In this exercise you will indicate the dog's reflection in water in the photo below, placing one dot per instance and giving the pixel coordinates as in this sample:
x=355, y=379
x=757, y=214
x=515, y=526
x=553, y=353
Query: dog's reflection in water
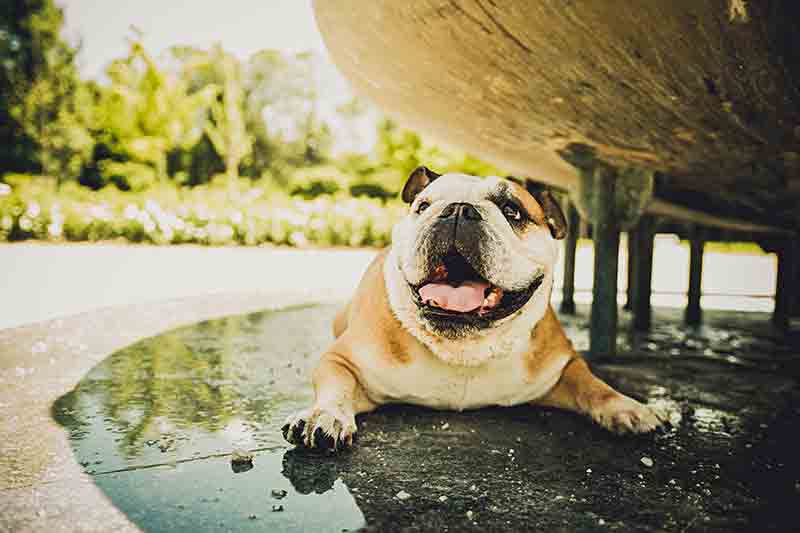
x=310, y=472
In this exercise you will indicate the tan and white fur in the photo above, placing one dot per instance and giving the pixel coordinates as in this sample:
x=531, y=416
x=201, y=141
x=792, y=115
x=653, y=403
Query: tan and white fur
x=387, y=351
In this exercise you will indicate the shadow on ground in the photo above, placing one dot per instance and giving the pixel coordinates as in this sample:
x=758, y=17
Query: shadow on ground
x=155, y=425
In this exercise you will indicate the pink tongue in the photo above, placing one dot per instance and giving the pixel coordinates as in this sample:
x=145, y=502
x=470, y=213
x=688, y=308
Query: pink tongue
x=465, y=298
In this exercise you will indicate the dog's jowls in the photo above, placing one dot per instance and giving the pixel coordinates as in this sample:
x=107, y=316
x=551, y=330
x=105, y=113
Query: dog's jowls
x=456, y=314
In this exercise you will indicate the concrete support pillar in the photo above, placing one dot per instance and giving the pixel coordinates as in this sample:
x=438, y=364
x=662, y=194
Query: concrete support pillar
x=570, y=246
x=694, y=314
x=786, y=284
x=643, y=273
x=603, y=325
x=631, y=267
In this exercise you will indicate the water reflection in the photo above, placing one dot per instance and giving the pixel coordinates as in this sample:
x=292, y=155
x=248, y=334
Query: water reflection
x=157, y=422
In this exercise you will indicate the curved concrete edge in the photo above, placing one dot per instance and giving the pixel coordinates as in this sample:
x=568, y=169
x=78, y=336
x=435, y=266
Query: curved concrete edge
x=42, y=487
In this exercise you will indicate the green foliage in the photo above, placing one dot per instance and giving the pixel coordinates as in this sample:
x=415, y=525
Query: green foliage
x=146, y=113
x=42, y=106
x=155, y=153
x=227, y=127
x=221, y=213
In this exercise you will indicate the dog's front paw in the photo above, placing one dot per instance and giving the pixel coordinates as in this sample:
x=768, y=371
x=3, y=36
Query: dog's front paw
x=320, y=428
x=622, y=414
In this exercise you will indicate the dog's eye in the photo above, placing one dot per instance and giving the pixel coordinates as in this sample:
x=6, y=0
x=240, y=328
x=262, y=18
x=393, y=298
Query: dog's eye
x=423, y=206
x=512, y=212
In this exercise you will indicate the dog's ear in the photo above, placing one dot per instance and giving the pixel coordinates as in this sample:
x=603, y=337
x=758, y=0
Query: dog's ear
x=553, y=214
x=419, y=178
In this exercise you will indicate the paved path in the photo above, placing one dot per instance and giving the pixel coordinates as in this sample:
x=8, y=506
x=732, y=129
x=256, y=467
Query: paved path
x=44, y=281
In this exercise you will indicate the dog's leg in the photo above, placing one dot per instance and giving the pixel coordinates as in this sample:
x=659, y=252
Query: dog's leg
x=580, y=390
x=330, y=423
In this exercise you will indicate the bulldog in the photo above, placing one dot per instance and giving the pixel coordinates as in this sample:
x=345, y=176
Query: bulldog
x=456, y=314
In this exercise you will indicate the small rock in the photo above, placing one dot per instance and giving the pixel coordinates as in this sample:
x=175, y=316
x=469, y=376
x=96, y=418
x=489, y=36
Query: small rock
x=241, y=456
x=278, y=494
x=402, y=495
x=601, y=522
x=253, y=517
x=241, y=461
x=470, y=514
x=277, y=508
x=646, y=461
x=445, y=426
x=442, y=499
x=473, y=487
x=588, y=470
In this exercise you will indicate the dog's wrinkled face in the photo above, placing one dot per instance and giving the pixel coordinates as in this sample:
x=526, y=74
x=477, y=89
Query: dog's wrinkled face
x=474, y=251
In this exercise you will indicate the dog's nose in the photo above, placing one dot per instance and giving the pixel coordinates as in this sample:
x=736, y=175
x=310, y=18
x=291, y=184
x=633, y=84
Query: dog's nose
x=462, y=210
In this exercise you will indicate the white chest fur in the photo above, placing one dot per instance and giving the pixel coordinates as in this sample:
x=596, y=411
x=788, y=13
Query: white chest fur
x=428, y=381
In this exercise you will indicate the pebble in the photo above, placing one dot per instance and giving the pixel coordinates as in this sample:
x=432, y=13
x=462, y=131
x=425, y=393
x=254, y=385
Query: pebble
x=241, y=456
x=470, y=514
x=442, y=499
x=277, y=508
x=646, y=461
x=445, y=426
x=278, y=493
x=253, y=517
x=402, y=495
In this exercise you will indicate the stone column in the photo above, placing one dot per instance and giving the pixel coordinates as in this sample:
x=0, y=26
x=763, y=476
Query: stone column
x=643, y=273
x=612, y=199
x=786, y=283
x=570, y=246
x=603, y=328
x=694, y=314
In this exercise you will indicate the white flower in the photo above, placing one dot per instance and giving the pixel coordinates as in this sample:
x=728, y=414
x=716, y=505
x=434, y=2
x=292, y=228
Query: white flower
x=33, y=210
x=101, y=212
x=131, y=211
x=55, y=229
x=298, y=238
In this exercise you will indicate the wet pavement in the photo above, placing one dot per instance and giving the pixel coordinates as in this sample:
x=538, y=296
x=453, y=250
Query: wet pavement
x=155, y=426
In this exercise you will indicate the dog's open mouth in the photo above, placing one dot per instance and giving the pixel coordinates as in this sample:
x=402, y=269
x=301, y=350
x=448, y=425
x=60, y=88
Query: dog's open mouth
x=456, y=290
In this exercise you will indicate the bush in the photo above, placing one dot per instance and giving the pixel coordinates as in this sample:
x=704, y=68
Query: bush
x=221, y=213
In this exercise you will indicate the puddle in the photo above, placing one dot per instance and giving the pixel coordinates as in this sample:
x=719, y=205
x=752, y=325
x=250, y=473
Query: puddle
x=155, y=425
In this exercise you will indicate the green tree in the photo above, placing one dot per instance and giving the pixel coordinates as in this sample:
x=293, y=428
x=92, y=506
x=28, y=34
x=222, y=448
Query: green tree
x=37, y=79
x=147, y=113
x=227, y=129
x=57, y=113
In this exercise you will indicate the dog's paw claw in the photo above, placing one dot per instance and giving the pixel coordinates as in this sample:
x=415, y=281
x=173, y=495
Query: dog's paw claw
x=321, y=429
x=622, y=414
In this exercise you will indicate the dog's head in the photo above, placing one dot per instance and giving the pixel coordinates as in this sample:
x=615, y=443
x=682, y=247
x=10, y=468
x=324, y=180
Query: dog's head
x=475, y=252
